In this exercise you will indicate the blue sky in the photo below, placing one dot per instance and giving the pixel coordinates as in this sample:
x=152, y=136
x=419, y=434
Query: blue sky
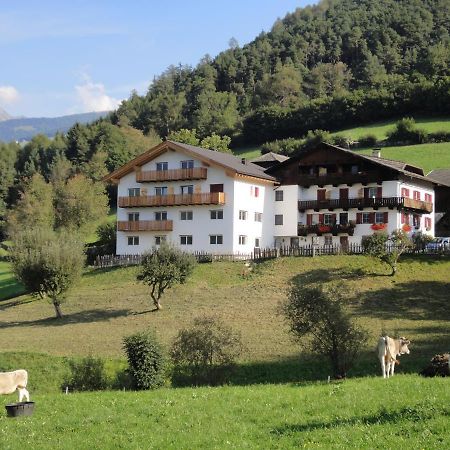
x=62, y=58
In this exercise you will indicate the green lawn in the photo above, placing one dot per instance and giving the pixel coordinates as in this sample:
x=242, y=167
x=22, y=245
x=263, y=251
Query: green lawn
x=9, y=286
x=405, y=412
x=380, y=129
x=249, y=152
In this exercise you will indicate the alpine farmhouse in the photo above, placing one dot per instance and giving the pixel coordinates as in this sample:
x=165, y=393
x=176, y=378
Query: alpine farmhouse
x=207, y=201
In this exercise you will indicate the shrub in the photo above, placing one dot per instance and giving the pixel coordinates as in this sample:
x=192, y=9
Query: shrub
x=106, y=234
x=205, y=353
x=342, y=141
x=283, y=147
x=420, y=240
x=314, y=138
x=406, y=132
x=87, y=374
x=146, y=360
x=369, y=140
x=319, y=313
x=439, y=136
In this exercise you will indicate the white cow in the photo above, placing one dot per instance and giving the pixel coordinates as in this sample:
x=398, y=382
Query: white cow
x=388, y=350
x=10, y=381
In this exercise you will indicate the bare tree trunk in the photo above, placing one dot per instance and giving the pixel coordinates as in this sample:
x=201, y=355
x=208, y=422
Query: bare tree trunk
x=58, y=312
x=157, y=304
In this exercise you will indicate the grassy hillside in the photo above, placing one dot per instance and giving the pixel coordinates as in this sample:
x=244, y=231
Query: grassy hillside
x=401, y=413
x=9, y=287
x=108, y=305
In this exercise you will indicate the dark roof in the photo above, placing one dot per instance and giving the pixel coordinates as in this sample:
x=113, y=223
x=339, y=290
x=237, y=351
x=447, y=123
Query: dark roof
x=270, y=157
x=441, y=176
x=398, y=166
x=225, y=160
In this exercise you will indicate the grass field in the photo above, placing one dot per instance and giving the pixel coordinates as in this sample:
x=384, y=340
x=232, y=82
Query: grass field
x=380, y=129
x=9, y=287
x=405, y=412
x=107, y=305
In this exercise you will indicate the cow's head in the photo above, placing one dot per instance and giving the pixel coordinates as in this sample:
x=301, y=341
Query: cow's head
x=404, y=346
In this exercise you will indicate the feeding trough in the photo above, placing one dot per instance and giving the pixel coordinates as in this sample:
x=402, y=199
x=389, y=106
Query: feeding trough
x=19, y=409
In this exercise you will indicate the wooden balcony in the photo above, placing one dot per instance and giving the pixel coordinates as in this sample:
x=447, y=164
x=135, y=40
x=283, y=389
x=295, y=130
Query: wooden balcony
x=206, y=198
x=196, y=173
x=319, y=229
x=145, y=225
x=361, y=203
x=335, y=179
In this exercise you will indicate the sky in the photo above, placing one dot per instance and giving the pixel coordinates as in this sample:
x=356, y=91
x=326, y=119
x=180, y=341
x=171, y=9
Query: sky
x=60, y=58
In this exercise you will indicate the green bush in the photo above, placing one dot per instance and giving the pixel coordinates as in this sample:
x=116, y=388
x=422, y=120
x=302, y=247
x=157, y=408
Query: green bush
x=369, y=140
x=283, y=147
x=342, y=141
x=87, y=374
x=406, y=132
x=205, y=353
x=314, y=138
x=439, y=136
x=146, y=360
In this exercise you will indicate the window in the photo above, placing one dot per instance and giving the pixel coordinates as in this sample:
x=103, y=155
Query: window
x=328, y=219
x=278, y=196
x=161, y=215
x=428, y=198
x=366, y=217
x=187, y=189
x=328, y=240
x=186, y=215
x=343, y=218
x=242, y=215
x=256, y=191
x=354, y=170
x=134, y=192
x=162, y=166
x=416, y=220
x=278, y=219
x=189, y=164
x=379, y=217
x=405, y=192
x=215, y=239
x=257, y=242
x=258, y=217
x=161, y=190
x=133, y=217
x=428, y=223
x=405, y=218
x=215, y=188
x=216, y=214
x=242, y=239
x=160, y=239
x=416, y=195
x=186, y=239
x=133, y=240
x=372, y=192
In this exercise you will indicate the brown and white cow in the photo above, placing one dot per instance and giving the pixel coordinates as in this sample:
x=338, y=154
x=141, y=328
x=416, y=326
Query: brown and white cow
x=388, y=350
x=10, y=381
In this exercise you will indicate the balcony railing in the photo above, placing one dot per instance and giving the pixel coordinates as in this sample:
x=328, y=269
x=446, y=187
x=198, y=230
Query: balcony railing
x=145, y=225
x=389, y=202
x=321, y=228
x=206, y=198
x=306, y=180
x=196, y=173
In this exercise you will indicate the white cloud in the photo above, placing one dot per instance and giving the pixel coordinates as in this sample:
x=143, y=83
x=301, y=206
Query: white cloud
x=92, y=96
x=8, y=94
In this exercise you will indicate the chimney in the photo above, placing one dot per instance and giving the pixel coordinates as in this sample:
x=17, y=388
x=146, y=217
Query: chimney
x=376, y=152
x=243, y=161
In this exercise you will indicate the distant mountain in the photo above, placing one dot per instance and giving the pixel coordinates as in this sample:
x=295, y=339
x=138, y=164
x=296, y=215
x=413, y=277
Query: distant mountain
x=4, y=115
x=24, y=129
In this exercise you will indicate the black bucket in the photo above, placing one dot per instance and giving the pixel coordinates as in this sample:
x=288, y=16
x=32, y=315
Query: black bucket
x=19, y=409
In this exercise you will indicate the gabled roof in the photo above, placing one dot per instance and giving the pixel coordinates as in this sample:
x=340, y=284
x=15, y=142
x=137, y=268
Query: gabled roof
x=270, y=157
x=226, y=161
x=442, y=176
x=399, y=166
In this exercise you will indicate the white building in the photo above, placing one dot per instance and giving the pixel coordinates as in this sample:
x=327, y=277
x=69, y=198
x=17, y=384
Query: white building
x=198, y=199
x=202, y=200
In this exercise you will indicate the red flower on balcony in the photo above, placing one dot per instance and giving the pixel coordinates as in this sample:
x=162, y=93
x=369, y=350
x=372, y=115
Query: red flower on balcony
x=324, y=228
x=406, y=227
x=378, y=226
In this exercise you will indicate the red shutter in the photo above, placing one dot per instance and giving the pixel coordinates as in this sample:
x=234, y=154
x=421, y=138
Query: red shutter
x=372, y=217
x=333, y=218
x=379, y=192
x=308, y=219
x=428, y=198
x=386, y=217
x=358, y=217
x=403, y=217
x=321, y=194
x=256, y=191
x=366, y=192
x=321, y=218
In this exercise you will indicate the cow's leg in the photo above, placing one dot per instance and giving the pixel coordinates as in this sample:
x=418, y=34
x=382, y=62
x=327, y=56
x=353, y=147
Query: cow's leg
x=388, y=368
x=392, y=368
x=383, y=367
x=23, y=393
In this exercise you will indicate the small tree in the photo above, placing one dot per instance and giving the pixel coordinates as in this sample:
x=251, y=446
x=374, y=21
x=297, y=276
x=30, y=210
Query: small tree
x=87, y=374
x=320, y=313
x=164, y=267
x=146, y=360
x=376, y=246
x=47, y=263
x=206, y=352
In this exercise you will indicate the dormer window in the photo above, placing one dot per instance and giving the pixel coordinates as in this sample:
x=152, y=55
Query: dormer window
x=189, y=164
x=162, y=166
x=354, y=169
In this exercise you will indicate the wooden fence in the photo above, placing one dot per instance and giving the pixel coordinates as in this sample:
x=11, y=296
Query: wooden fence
x=263, y=254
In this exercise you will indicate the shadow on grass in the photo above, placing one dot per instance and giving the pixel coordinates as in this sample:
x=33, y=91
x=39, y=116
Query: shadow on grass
x=326, y=275
x=5, y=306
x=416, y=413
x=93, y=315
x=93, y=272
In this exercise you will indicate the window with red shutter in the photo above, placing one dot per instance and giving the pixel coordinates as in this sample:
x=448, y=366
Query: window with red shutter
x=256, y=191
x=416, y=220
x=427, y=222
x=428, y=198
x=405, y=192
x=372, y=218
x=416, y=195
x=308, y=219
x=386, y=217
x=358, y=217
x=320, y=218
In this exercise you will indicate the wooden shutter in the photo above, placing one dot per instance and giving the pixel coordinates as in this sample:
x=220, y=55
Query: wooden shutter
x=403, y=217
x=321, y=218
x=343, y=193
x=333, y=218
x=379, y=192
x=386, y=217
x=372, y=217
x=359, y=217
x=308, y=219
x=321, y=193
x=366, y=192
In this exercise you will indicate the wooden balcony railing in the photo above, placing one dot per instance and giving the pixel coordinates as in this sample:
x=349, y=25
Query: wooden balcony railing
x=306, y=180
x=360, y=203
x=196, y=173
x=145, y=225
x=319, y=229
x=205, y=198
